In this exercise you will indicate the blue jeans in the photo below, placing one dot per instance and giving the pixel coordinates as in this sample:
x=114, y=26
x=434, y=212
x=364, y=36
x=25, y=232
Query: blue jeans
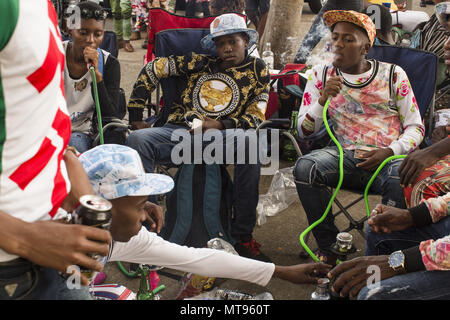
x=81, y=141
x=318, y=30
x=319, y=169
x=415, y=285
x=155, y=145
x=381, y=244
x=423, y=285
x=22, y=280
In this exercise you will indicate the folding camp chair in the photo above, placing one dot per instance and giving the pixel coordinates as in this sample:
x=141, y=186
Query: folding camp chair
x=421, y=68
x=160, y=19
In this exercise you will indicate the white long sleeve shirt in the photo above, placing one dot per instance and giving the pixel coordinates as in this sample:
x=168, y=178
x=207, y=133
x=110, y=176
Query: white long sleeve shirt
x=148, y=248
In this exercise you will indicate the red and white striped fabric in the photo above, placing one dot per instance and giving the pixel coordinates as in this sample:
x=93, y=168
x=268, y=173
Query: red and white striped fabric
x=111, y=292
x=36, y=126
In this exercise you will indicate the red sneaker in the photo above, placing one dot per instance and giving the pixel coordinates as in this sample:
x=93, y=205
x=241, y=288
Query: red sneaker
x=251, y=250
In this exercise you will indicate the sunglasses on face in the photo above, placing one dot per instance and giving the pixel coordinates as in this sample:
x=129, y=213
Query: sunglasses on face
x=88, y=14
x=94, y=14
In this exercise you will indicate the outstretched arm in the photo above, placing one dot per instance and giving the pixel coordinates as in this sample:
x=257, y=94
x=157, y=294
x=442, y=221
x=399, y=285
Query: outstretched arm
x=148, y=248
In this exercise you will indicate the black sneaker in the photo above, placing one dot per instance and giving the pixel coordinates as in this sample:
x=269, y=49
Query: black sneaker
x=251, y=250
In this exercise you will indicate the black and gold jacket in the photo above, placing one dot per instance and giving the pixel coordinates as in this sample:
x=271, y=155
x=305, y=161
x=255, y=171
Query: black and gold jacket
x=235, y=96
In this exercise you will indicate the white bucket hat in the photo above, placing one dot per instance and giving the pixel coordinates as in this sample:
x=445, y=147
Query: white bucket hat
x=225, y=24
x=116, y=171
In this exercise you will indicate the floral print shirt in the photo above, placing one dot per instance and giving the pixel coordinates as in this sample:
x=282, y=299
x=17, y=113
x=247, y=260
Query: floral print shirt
x=373, y=109
x=436, y=253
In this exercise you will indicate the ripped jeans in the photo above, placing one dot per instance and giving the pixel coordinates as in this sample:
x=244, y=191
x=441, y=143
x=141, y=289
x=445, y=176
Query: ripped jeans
x=319, y=169
x=423, y=285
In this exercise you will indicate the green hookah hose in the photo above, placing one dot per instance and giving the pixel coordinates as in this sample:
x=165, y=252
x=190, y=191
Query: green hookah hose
x=381, y=166
x=341, y=178
x=97, y=104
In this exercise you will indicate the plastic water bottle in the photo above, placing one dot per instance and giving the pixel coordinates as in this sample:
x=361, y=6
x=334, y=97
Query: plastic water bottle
x=267, y=56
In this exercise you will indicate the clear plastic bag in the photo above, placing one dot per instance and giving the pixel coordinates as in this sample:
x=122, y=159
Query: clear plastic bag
x=282, y=193
x=194, y=284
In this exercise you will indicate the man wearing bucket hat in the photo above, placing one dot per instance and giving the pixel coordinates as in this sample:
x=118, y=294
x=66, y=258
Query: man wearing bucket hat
x=228, y=93
x=116, y=173
x=374, y=115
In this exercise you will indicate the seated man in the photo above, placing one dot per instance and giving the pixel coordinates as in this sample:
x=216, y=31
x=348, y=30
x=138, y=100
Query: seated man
x=116, y=173
x=373, y=118
x=228, y=93
x=82, y=51
x=417, y=240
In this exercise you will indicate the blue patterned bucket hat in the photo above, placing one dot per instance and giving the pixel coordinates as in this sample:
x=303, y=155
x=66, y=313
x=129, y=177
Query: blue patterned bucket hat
x=225, y=24
x=116, y=171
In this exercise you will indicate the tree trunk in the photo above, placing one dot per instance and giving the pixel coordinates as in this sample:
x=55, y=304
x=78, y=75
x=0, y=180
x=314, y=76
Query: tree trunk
x=283, y=30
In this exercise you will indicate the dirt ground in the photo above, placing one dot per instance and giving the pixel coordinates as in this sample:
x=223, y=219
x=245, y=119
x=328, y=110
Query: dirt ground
x=279, y=236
